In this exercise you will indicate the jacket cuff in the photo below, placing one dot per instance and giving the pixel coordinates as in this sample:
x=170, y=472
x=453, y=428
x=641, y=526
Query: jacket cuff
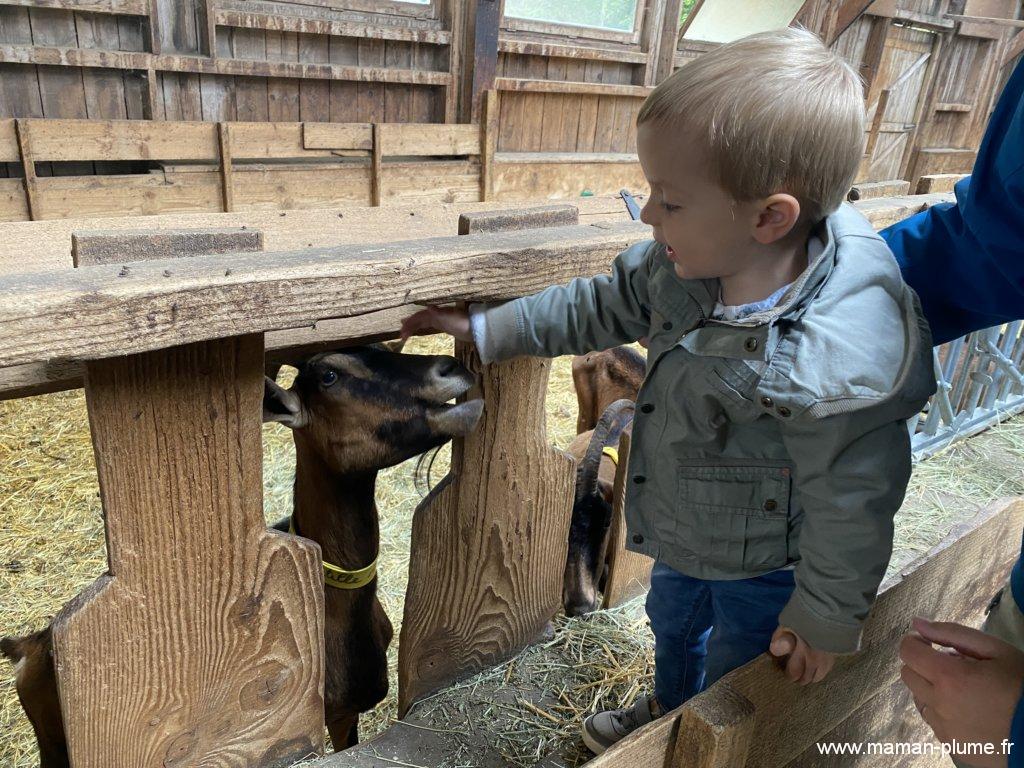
x=818, y=632
x=497, y=331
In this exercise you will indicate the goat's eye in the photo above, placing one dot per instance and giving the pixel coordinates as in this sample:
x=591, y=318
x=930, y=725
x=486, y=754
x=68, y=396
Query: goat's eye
x=328, y=377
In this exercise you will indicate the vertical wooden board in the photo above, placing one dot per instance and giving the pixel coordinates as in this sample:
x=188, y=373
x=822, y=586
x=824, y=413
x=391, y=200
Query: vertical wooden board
x=217, y=93
x=155, y=89
x=344, y=95
x=370, y=96
x=204, y=643
x=489, y=544
x=283, y=93
x=314, y=95
x=575, y=71
x=533, y=106
x=510, y=135
x=629, y=573
x=421, y=97
x=18, y=82
x=130, y=34
x=553, y=109
x=60, y=88
x=182, y=98
x=176, y=26
x=398, y=98
x=104, y=88
x=604, y=139
x=585, y=134
x=251, y=103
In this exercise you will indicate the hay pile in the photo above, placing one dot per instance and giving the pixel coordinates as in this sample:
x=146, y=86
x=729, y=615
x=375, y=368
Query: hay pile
x=51, y=546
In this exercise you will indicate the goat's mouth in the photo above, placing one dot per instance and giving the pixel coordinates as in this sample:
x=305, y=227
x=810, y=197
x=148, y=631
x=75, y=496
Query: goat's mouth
x=457, y=420
x=452, y=386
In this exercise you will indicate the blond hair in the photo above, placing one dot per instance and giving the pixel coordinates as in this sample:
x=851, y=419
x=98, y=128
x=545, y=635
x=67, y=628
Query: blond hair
x=779, y=113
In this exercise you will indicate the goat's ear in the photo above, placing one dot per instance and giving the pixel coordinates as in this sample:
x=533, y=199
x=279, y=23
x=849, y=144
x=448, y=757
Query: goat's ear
x=282, y=405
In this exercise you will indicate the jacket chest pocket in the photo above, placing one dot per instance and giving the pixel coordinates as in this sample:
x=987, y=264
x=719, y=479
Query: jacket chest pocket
x=736, y=518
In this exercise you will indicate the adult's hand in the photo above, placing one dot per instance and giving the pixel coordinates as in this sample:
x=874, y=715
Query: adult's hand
x=968, y=693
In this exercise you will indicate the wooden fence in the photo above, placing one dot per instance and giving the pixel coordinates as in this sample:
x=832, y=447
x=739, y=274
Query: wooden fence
x=567, y=93
x=195, y=577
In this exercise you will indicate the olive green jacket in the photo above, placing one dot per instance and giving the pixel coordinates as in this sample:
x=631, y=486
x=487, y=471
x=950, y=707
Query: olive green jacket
x=776, y=440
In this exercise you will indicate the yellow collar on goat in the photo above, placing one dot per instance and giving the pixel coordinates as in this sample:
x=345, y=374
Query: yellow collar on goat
x=339, y=578
x=612, y=453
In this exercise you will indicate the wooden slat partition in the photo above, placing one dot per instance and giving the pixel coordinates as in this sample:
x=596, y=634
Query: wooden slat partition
x=629, y=573
x=64, y=140
x=953, y=582
x=399, y=139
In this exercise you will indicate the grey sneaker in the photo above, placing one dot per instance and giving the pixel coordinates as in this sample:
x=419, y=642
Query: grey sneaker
x=603, y=729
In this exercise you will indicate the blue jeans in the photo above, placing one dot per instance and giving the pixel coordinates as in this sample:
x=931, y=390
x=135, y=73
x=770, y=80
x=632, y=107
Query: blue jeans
x=704, y=629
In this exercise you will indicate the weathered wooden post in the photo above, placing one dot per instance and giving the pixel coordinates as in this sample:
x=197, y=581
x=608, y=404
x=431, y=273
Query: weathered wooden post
x=203, y=645
x=489, y=544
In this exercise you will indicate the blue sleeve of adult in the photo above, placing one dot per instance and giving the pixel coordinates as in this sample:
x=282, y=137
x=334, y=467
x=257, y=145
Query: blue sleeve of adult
x=966, y=261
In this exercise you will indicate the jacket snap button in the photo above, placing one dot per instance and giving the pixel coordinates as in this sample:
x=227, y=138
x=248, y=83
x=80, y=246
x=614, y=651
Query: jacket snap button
x=767, y=402
x=750, y=344
x=666, y=326
x=770, y=505
x=646, y=408
x=638, y=539
x=638, y=479
x=784, y=411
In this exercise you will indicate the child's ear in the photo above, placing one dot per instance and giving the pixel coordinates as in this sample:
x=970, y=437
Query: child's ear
x=776, y=217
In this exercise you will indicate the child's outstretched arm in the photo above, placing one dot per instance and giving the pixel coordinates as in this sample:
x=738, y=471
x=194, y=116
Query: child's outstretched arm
x=585, y=315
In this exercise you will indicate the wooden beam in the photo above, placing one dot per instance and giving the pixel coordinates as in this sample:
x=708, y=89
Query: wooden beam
x=357, y=136
x=68, y=140
x=565, y=51
x=715, y=731
x=195, y=577
x=28, y=166
x=322, y=26
x=849, y=11
x=509, y=219
x=485, y=52
x=488, y=142
x=453, y=14
x=526, y=85
x=668, y=40
x=206, y=12
x=1017, y=23
x=117, y=246
x=95, y=313
x=426, y=139
x=1014, y=48
x=121, y=7
x=226, y=180
x=85, y=57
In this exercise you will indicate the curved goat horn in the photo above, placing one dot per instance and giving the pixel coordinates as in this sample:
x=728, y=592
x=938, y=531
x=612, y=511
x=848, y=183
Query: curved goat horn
x=607, y=432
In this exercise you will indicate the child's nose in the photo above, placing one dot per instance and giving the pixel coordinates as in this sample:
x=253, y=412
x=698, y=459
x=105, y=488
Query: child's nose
x=647, y=213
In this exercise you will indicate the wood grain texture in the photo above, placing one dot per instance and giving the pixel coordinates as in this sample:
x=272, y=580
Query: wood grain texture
x=92, y=247
x=204, y=643
x=99, y=312
x=489, y=543
x=714, y=732
x=954, y=582
x=518, y=218
x=629, y=573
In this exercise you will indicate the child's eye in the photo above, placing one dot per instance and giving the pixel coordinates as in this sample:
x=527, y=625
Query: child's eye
x=670, y=208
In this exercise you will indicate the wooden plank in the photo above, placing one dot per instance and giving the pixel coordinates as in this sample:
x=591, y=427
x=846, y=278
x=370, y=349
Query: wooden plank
x=495, y=538
x=504, y=220
x=277, y=140
x=999, y=22
x=953, y=582
x=938, y=182
x=428, y=139
x=314, y=95
x=81, y=57
x=177, y=441
x=60, y=198
x=454, y=14
x=376, y=166
x=554, y=179
x=94, y=313
x=485, y=52
x=328, y=26
x=849, y=11
x=1014, y=48
x=104, y=89
x=667, y=42
x=122, y=140
x=116, y=246
x=566, y=51
x=121, y=7
x=715, y=732
x=488, y=142
x=933, y=160
x=629, y=573
x=527, y=85
x=889, y=188
x=13, y=202
x=226, y=179
x=451, y=181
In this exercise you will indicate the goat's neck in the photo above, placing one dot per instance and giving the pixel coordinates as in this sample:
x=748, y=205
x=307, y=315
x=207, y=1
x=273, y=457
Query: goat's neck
x=335, y=510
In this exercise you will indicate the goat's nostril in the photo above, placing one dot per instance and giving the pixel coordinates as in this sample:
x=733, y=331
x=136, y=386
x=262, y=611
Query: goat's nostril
x=447, y=367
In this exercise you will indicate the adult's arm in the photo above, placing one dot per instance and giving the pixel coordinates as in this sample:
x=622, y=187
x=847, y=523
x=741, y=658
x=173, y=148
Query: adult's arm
x=966, y=260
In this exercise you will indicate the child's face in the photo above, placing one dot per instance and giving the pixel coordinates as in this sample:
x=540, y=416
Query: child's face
x=708, y=234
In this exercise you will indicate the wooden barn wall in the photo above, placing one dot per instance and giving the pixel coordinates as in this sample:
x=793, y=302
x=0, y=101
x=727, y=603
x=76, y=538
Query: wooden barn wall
x=929, y=81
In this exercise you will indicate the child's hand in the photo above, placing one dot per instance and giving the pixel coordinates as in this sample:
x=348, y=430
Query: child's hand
x=450, y=320
x=803, y=664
